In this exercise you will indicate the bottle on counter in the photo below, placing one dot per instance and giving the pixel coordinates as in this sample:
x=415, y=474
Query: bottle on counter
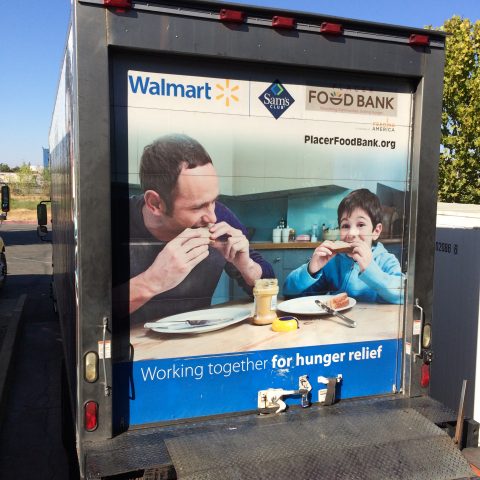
x=265, y=294
x=277, y=235
x=314, y=236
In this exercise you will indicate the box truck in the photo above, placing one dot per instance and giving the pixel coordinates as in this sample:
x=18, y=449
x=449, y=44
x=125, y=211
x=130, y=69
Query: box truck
x=456, y=306
x=200, y=341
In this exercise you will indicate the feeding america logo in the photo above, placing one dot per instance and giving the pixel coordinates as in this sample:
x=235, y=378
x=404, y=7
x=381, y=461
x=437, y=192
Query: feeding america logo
x=276, y=99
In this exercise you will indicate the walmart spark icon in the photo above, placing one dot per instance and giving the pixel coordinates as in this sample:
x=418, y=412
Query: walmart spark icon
x=227, y=92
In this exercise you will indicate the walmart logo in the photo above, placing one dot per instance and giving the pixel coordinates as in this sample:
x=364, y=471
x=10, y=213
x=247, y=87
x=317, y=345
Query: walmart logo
x=164, y=88
x=276, y=99
x=225, y=92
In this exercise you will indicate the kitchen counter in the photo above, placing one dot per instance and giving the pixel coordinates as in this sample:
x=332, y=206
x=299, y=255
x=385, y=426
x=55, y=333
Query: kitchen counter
x=305, y=245
x=374, y=322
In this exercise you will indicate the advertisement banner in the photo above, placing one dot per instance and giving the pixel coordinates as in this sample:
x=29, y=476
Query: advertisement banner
x=246, y=205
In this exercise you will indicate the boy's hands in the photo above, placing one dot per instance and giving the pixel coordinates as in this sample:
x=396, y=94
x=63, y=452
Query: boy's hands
x=321, y=256
x=362, y=254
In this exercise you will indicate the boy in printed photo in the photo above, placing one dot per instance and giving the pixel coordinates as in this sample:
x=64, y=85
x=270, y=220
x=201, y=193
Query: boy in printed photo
x=367, y=272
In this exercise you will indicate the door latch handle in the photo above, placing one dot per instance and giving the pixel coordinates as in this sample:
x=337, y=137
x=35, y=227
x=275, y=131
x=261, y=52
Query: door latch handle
x=419, y=328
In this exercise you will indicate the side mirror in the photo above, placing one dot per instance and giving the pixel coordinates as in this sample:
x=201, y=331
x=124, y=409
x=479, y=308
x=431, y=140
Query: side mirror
x=5, y=198
x=41, y=214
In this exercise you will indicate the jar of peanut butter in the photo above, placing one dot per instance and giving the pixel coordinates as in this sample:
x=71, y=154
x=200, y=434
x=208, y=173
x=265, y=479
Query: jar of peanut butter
x=265, y=294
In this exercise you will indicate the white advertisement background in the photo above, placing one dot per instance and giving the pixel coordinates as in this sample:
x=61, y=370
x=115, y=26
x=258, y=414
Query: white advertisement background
x=261, y=154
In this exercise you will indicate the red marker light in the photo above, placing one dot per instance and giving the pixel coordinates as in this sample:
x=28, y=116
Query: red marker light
x=421, y=40
x=283, y=22
x=121, y=6
x=118, y=3
x=91, y=416
x=331, y=28
x=425, y=375
x=233, y=16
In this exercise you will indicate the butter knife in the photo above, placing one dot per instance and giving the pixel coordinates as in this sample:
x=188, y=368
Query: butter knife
x=331, y=311
x=178, y=324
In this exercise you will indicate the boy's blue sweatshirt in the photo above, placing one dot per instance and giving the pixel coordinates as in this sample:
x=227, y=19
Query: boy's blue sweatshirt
x=382, y=281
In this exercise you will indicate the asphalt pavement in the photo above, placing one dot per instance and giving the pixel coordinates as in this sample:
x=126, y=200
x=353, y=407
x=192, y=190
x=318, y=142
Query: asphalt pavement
x=30, y=409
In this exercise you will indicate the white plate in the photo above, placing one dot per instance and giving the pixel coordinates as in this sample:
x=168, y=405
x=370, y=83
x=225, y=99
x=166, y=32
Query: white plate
x=221, y=318
x=307, y=305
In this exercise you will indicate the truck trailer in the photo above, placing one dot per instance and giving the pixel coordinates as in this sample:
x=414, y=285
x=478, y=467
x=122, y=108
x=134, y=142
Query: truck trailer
x=457, y=277
x=201, y=153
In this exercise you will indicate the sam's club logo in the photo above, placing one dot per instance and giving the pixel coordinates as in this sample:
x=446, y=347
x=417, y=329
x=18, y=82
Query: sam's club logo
x=276, y=99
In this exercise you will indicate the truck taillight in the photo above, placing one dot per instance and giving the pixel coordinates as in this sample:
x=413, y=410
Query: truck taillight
x=233, y=16
x=91, y=416
x=120, y=5
x=416, y=39
x=331, y=28
x=425, y=375
x=286, y=23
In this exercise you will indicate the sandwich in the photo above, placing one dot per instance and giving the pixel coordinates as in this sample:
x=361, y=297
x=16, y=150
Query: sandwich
x=206, y=232
x=339, y=301
x=341, y=247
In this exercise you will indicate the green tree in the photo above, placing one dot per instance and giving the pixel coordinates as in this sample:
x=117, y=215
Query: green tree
x=459, y=175
x=46, y=179
x=26, y=179
x=5, y=168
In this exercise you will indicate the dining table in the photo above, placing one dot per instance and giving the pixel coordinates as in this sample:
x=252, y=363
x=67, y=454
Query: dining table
x=373, y=322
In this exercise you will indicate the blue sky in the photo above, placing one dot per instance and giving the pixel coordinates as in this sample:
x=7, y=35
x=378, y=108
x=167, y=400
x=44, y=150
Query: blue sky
x=32, y=38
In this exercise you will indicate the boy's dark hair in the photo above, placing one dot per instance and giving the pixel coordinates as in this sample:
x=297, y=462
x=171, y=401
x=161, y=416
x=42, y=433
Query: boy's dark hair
x=163, y=160
x=364, y=199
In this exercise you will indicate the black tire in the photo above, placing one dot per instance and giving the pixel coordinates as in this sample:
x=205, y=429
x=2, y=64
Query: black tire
x=3, y=269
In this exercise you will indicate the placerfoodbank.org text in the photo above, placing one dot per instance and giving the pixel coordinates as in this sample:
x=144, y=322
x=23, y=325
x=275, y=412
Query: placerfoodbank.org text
x=350, y=142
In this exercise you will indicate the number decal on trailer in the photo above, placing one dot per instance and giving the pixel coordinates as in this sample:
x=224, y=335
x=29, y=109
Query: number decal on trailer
x=445, y=247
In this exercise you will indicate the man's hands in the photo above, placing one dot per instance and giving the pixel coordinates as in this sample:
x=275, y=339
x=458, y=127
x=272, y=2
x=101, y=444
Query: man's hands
x=182, y=254
x=361, y=254
x=177, y=259
x=235, y=247
x=236, y=250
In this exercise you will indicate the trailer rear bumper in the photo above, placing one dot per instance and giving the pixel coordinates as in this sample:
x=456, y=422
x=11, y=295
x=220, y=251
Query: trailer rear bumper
x=384, y=437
